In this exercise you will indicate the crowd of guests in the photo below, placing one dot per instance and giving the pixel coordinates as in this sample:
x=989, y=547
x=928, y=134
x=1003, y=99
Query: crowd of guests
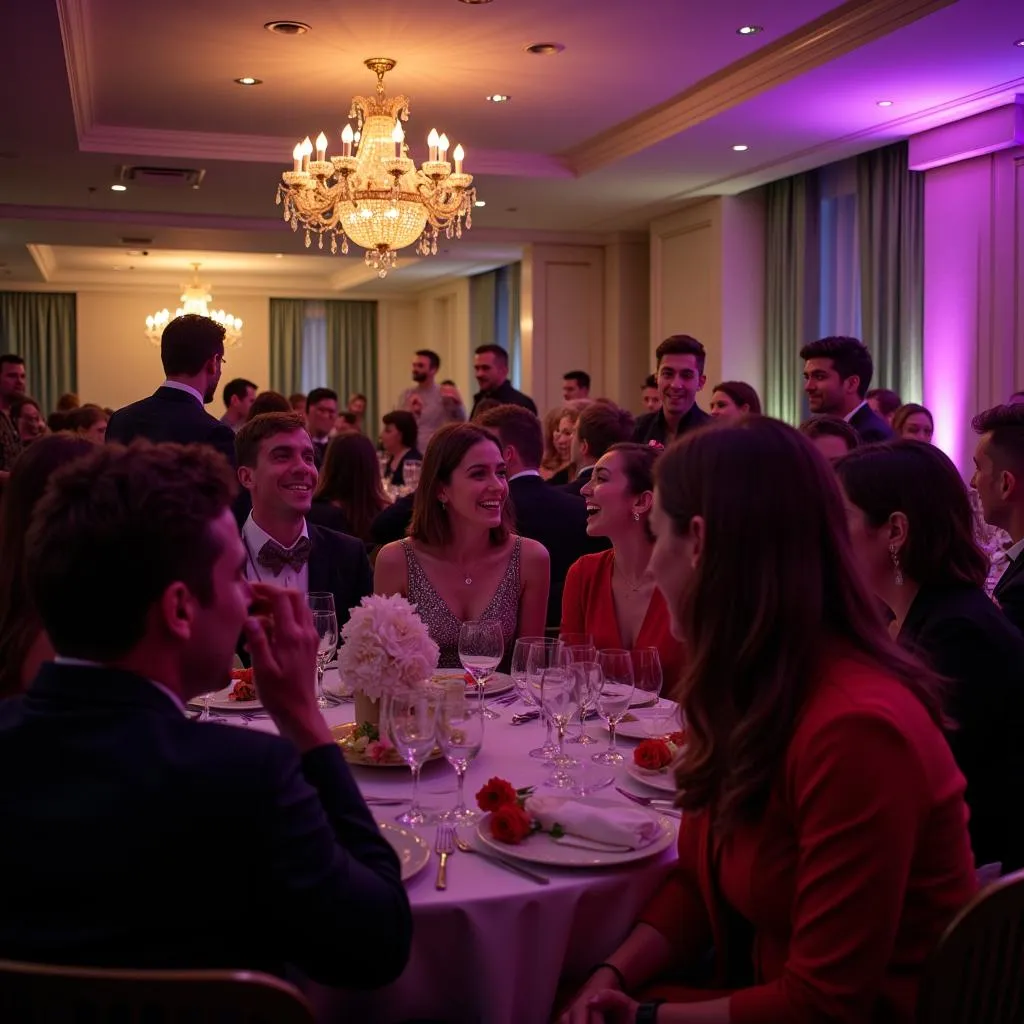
x=853, y=697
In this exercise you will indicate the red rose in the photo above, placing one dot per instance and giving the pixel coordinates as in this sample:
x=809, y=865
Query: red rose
x=678, y=738
x=510, y=824
x=497, y=793
x=652, y=755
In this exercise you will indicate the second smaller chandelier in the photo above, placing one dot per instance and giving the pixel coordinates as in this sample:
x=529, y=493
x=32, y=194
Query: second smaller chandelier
x=196, y=298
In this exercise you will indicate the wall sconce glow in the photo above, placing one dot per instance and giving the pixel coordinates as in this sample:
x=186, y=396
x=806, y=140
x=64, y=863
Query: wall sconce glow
x=740, y=149
x=749, y=30
x=118, y=188
x=885, y=103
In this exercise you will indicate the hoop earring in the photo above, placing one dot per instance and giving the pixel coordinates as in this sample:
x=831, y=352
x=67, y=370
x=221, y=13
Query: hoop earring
x=897, y=569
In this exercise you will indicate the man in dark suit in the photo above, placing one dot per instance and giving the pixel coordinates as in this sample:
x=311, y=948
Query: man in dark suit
x=192, y=353
x=999, y=481
x=276, y=465
x=599, y=426
x=546, y=514
x=119, y=813
x=837, y=375
x=490, y=367
x=680, y=377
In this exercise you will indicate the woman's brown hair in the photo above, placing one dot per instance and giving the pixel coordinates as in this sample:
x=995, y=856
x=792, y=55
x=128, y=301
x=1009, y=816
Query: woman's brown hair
x=431, y=523
x=83, y=418
x=350, y=478
x=742, y=394
x=904, y=412
x=775, y=595
x=919, y=481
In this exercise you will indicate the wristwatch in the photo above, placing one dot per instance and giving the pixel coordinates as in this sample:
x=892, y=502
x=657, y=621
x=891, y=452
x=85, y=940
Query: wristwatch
x=647, y=1013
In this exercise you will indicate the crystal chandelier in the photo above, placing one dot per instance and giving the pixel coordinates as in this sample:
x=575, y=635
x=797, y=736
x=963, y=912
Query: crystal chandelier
x=375, y=196
x=195, y=299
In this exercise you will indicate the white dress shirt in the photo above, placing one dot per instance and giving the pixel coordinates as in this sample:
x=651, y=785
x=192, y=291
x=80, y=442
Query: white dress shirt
x=1014, y=552
x=254, y=537
x=523, y=472
x=849, y=416
x=176, y=385
x=85, y=663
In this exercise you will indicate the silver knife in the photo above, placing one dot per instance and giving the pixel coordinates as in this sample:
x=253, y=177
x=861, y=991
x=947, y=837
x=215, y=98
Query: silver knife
x=512, y=866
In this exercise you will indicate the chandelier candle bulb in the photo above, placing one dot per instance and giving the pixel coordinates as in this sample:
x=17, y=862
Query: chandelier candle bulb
x=432, y=141
x=398, y=137
x=442, y=148
x=307, y=151
x=321, y=147
x=459, y=154
x=346, y=140
x=297, y=157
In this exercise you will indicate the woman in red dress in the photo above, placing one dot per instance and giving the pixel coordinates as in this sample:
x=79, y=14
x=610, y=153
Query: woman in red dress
x=823, y=846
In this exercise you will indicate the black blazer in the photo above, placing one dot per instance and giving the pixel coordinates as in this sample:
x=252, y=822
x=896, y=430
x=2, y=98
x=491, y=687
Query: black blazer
x=171, y=415
x=574, y=486
x=393, y=523
x=338, y=563
x=121, y=817
x=960, y=632
x=325, y=513
x=1009, y=592
x=653, y=426
x=869, y=425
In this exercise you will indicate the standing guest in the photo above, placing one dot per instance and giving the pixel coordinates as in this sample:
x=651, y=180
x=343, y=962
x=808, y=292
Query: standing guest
x=831, y=435
x=57, y=421
x=357, y=406
x=192, y=354
x=884, y=402
x=297, y=401
x=837, y=375
x=24, y=645
x=680, y=377
x=913, y=422
x=156, y=800
x=611, y=595
x=68, y=402
x=12, y=384
x=912, y=533
x=734, y=398
x=461, y=560
x=435, y=409
x=276, y=467
x=599, y=426
x=345, y=424
x=28, y=419
x=349, y=495
x=490, y=367
x=650, y=395
x=88, y=421
x=479, y=408
x=823, y=848
x=398, y=439
x=274, y=401
x=239, y=394
x=321, y=415
x=575, y=385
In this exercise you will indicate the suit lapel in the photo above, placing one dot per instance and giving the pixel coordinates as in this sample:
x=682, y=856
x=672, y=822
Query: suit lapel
x=1012, y=571
x=319, y=565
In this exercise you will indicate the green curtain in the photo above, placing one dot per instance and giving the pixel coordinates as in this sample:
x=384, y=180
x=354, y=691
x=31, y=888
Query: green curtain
x=494, y=302
x=792, y=275
x=41, y=328
x=352, y=353
x=287, y=319
x=890, y=227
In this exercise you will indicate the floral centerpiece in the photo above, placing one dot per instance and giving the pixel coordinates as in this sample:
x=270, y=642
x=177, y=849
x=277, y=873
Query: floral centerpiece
x=385, y=648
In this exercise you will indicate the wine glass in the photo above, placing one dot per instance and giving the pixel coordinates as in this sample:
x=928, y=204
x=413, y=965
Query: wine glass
x=481, y=646
x=614, y=697
x=411, y=717
x=520, y=653
x=460, y=734
x=580, y=647
x=325, y=621
x=382, y=462
x=540, y=655
x=557, y=689
x=411, y=474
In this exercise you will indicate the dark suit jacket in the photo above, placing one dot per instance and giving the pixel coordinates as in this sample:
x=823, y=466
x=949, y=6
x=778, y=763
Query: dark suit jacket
x=1009, y=592
x=870, y=426
x=134, y=837
x=577, y=484
x=338, y=563
x=960, y=632
x=507, y=395
x=653, y=426
x=393, y=523
x=171, y=415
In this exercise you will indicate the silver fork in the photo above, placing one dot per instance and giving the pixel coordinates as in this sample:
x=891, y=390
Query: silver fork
x=657, y=803
x=444, y=844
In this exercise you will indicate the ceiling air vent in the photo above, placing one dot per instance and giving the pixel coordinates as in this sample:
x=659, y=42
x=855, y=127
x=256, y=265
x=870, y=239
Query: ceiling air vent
x=136, y=243
x=161, y=177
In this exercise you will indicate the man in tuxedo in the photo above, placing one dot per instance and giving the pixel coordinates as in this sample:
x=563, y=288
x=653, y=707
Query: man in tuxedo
x=276, y=466
x=556, y=519
x=192, y=353
x=837, y=375
x=490, y=367
x=680, y=377
x=600, y=425
x=999, y=481
x=118, y=810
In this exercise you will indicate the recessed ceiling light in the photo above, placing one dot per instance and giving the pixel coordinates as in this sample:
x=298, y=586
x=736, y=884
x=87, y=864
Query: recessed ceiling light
x=545, y=49
x=740, y=148
x=749, y=30
x=1018, y=42
x=885, y=103
x=248, y=81
x=497, y=97
x=287, y=28
x=118, y=188
x=278, y=255
x=480, y=202
x=117, y=268
x=134, y=252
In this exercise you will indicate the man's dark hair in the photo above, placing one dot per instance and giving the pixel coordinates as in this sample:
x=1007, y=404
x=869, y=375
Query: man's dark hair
x=888, y=401
x=581, y=377
x=432, y=357
x=602, y=424
x=681, y=345
x=118, y=527
x=448, y=383
x=188, y=343
x=650, y=381
x=236, y=388
x=493, y=350
x=296, y=397
x=10, y=357
x=850, y=358
x=320, y=395
x=519, y=428
x=257, y=429
x=405, y=423
x=1005, y=425
x=270, y=401
x=830, y=426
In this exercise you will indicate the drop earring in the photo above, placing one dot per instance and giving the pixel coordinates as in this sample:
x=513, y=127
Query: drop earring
x=636, y=517
x=896, y=568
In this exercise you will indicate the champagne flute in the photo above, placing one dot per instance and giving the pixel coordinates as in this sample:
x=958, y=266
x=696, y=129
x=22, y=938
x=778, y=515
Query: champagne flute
x=411, y=717
x=325, y=621
x=481, y=646
x=460, y=734
x=545, y=654
x=614, y=697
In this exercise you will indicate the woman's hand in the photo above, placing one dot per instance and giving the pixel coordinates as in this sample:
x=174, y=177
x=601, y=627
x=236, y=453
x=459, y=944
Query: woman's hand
x=605, y=1006
x=582, y=1010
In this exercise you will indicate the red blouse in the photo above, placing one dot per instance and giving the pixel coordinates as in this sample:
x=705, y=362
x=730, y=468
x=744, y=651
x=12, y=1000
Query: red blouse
x=861, y=860
x=589, y=607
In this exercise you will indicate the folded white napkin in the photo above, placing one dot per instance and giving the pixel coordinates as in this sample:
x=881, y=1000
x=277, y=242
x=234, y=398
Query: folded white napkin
x=620, y=826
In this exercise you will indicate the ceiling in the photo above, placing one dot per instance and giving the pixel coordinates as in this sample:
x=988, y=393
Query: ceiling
x=637, y=115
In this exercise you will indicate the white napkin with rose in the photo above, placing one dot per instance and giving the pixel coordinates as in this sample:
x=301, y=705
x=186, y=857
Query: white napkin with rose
x=619, y=826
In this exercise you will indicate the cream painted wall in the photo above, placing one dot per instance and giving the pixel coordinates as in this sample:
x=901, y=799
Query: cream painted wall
x=444, y=327
x=627, y=321
x=398, y=329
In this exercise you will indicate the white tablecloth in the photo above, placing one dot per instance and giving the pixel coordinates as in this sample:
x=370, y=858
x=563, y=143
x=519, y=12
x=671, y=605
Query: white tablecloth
x=492, y=947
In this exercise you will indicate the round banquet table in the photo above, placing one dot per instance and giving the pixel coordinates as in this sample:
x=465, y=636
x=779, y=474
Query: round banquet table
x=491, y=948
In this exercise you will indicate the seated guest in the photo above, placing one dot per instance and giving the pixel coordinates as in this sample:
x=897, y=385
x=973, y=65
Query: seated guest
x=321, y=415
x=546, y=514
x=733, y=398
x=274, y=401
x=275, y=465
x=23, y=644
x=192, y=353
x=649, y=394
x=831, y=435
x=27, y=419
x=154, y=800
x=297, y=401
x=345, y=424
x=349, y=495
x=357, y=406
x=911, y=527
x=562, y=423
x=823, y=847
x=461, y=560
x=398, y=439
x=884, y=402
x=913, y=422
x=57, y=421
x=68, y=402
x=599, y=426
x=611, y=595
x=680, y=377
x=89, y=421
x=392, y=523
x=239, y=395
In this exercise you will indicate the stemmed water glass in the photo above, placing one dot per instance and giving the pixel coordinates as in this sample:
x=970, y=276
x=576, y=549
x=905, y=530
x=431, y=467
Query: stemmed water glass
x=557, y=689
x=460, y=734
x=614, y=697
x=481, y=646
x=540, y=655
x=411, y=470
x=580, y=647
x=325, y=621
x=411, y=717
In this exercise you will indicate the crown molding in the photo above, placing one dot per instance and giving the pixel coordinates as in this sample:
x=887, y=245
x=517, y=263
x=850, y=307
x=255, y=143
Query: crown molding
x=45, y=260
x=74, y=34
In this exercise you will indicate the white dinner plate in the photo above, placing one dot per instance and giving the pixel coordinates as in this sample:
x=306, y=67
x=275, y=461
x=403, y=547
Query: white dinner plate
x=663, y=779
x=495, y=684
x=220, y=701
x=412, y=851
x=540, y=848
x=649, y=722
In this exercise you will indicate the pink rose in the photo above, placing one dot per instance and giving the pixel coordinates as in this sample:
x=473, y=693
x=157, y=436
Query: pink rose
x=378, y=750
